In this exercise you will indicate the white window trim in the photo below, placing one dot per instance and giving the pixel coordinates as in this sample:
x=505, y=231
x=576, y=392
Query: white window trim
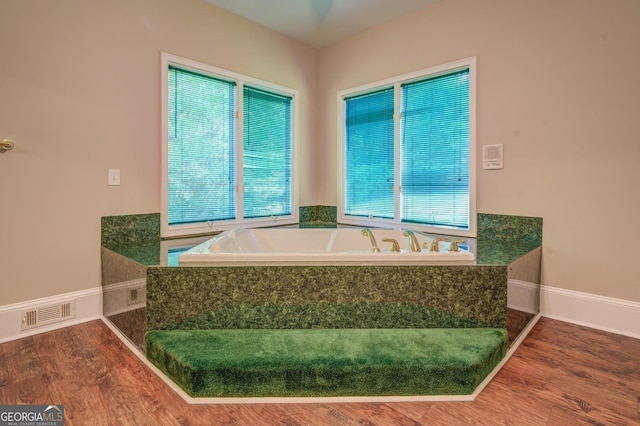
x=167, y=231
x=469, y=63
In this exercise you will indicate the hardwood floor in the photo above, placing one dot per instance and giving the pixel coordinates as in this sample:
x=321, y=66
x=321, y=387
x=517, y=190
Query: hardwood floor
x=562, y=374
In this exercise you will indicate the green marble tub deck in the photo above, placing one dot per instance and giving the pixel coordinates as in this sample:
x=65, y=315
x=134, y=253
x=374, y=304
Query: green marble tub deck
x=318, y=215
x=501, y=239
x=326, y=362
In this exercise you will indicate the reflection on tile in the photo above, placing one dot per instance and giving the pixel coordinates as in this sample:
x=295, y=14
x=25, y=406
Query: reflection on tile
x=133, y=324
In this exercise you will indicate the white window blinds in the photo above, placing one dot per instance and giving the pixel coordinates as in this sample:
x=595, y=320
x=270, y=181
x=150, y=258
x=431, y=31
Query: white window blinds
x=201, y=155
x=407, y=151
x=369, y=158
x=435, y=150
x=266, y=154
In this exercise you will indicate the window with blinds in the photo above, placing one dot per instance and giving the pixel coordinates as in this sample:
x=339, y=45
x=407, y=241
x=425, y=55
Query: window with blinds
x=408, y=152
x=435, y=151
x=201, y=148
x=369, y=155
x=227, y=150
x=266, y=153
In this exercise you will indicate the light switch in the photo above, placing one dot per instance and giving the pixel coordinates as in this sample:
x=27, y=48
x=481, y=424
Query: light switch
x=114, y=177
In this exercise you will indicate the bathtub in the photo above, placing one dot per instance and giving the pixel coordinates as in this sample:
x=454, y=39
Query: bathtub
x=309, y=246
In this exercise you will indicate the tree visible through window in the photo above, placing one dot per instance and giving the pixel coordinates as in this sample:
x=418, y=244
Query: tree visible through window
x=266, y=153
x=214, y=177
x=201, y=148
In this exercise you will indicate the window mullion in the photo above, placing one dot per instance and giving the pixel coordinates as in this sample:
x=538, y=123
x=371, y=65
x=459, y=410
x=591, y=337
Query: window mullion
x=239, y=116
x=397, y=169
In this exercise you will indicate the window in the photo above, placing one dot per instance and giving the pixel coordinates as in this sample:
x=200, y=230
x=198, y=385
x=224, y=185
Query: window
x=228, y=150
x=407, y=151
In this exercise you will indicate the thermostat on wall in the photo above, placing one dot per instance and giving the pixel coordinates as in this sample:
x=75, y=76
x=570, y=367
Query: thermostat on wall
x=492, y=157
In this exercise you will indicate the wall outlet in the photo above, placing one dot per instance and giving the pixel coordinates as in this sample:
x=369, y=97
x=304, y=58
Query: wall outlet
x=136, y=295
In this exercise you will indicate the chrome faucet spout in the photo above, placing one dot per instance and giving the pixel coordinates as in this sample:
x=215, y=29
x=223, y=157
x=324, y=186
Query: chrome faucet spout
x=413, y=241
x=367, y=233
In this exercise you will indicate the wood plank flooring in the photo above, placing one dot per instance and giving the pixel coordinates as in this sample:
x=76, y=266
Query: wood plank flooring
x=562, y=374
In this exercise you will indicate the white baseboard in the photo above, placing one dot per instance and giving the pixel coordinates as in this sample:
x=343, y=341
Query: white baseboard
x=600, y=312
x=118, y=298
x=88, y=306
x=523, y=296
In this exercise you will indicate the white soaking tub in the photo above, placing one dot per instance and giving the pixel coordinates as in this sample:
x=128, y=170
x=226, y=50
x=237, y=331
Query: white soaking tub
x=309, y=246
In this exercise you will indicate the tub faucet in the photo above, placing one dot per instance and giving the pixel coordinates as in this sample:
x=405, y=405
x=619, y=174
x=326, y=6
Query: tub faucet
x=454, y=245
x=413, y=241
x=395, y=246
x=367, y=232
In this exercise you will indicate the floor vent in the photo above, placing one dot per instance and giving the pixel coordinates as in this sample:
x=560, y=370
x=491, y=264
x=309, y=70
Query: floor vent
x=45, y=315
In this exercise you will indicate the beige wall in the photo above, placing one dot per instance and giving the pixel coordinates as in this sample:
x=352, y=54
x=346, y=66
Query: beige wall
x=79, y=93
x=558, y=86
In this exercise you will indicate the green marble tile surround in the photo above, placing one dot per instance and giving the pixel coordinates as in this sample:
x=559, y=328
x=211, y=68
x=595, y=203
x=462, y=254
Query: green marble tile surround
x=498, y=227
x=501, y=238
x=315, y=216
x=117, y=231
x=475, y=292
x=504, y=239
x=135, y=236
x=277, y=316
x=326, y=214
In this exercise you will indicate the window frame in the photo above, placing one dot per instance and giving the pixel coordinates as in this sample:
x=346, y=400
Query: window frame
x=396, y=82
x=240, y=80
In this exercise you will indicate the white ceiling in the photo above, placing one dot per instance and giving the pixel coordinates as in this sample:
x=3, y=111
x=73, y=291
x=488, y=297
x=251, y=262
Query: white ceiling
x=320, y=23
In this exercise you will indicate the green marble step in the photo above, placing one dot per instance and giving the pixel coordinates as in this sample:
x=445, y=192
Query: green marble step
x=326, y=362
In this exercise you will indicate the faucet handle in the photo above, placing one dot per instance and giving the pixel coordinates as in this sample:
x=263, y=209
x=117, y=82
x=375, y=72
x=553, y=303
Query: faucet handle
x=434, y=246
x=454, y=245
x=395, y=247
